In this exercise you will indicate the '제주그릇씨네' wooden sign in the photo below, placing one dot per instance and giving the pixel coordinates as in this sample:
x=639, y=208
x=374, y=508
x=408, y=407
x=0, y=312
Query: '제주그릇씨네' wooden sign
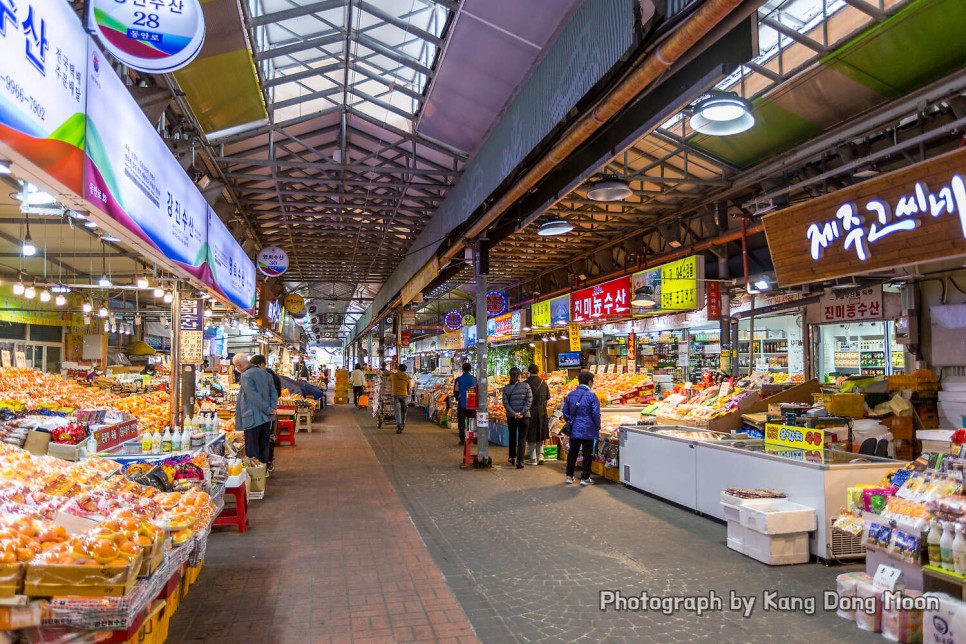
x=906, y=217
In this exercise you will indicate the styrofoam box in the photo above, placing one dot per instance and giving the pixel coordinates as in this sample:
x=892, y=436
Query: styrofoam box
x=774, y=550
x=739, y=501
x=778, y=516
x=730, y=512
x=948, y=624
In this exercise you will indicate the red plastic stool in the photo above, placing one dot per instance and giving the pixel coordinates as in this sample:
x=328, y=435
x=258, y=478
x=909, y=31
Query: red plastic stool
x=237, y=516
x=286, y=438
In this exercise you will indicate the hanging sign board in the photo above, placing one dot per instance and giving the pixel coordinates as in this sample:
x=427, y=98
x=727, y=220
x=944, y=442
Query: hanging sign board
x=856, y=305
x=713, y=290
x=602, y=302
x=538, y=355
x=272, y=261
x=131, y=177
x=229, y=269
x=154, y=36
x=406, y=338
x=574, y=333
x=43, y=91
x=294, y=303
x=905, y=217
x=631, y=348
x=540, y=314
x=676, y=286
x=451, y=341
x=560, y=310
x=191, y=333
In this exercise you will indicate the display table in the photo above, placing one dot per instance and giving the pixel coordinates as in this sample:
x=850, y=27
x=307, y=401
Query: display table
x=130, y=451
x=692, y=473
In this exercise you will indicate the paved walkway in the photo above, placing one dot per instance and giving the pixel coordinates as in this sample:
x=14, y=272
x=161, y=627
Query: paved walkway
x=331, y=555
x=341, y=548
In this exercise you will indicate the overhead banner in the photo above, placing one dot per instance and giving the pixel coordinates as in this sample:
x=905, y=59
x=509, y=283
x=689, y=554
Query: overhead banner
x=43, y=93
x=540, y=315
x=451, y=341
x=574, y=335
x=154, y=36
x=602, y=302
x=905, y=217
x=674, y=287
x=538, y=356
x=131, y=176
x=854, y=305
x=229, y=269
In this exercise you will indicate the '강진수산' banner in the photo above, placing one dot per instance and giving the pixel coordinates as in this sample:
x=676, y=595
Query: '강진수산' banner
x=43, y=88
x=132, y=177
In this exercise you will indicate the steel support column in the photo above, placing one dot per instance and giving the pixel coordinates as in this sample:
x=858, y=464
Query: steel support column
x=480, y=270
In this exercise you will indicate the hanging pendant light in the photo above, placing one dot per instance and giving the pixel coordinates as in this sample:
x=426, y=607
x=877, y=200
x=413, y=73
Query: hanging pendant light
x=158, y=291
x=722, y=114
x=555, y=227
x=18, y=288
x=644, y=297
x=88, y=307
x=102, y=312
x=142, y=282
x=168, y=298
x=60, y=300
x=609, y=188
x=30, y=292
x=45, y=295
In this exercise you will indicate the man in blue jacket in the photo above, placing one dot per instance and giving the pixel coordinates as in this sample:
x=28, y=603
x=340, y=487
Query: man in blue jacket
x=256, y=404
x=582, y=409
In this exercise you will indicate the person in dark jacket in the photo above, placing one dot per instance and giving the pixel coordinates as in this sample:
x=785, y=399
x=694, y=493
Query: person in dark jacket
x=582, y=409
x=259, y=361
x=538, y=430
x=517, y=399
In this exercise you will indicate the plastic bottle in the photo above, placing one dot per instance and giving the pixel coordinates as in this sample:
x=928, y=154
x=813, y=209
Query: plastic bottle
x=935, y=536
x=146, y=441
x=189, y=424
x=959, y=551
x=176, y=440
x=156, y=442
x=946, y=546
x=91, y=444
x=214, y=424
x=186, y=439
x=166, y=444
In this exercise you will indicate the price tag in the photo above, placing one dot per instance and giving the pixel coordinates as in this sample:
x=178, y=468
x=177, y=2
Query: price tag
x=5, y=357
x=593, y=368
x=886, y=577
x=483, y=419
x=21, y=359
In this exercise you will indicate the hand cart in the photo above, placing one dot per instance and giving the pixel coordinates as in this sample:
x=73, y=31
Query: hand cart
x=384, y=406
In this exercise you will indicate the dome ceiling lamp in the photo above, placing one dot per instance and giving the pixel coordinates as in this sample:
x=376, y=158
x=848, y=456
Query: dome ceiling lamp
x=722, y=114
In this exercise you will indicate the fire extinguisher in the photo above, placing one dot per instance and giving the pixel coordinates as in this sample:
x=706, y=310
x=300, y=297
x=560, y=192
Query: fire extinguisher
x=471, y=398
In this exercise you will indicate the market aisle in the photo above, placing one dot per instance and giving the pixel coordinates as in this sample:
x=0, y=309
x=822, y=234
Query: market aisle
x=331, y=555
x=527, y=556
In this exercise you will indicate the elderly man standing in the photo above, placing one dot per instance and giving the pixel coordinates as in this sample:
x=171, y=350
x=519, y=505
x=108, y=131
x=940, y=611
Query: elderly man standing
x=255, y=406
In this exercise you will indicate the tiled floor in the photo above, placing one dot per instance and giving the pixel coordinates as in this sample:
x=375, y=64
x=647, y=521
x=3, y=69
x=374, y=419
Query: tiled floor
x=366, y=535
x=331, y=555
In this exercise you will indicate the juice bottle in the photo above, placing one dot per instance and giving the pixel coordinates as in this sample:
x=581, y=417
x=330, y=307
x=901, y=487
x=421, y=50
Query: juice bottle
x=146, y=443
x=935, y=535
x=166, y=444
x=959, y=551
x=946, y=546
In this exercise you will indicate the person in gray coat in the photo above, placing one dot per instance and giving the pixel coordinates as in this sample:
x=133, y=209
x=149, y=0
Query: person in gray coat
x=255, y=407
x=517, y=399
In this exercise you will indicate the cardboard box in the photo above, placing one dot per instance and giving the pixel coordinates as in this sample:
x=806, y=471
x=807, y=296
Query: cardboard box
x=66, y=452
x=11, y=579
x=256, y=478
x=37, y=442
x=47, y=580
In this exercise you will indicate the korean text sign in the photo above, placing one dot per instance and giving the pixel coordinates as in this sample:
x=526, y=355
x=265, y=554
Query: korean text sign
x=602, y=302
x=856, y=305
x=229, y=268
x=131, y=176
x=676, y=286
x=43, y=88
x=540, y=314
x=905, y=217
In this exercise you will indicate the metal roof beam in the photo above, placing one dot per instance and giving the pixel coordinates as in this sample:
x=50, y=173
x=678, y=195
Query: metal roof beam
x=329, y=38
x=364, y=169
x=391, y=53
x=796, y=36
x=306, y=97
x=309, y=72
x=295, y=12
x=398, y=22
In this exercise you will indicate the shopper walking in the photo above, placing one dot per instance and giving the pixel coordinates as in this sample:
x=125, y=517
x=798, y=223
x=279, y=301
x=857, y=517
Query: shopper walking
x=460, y=388
x=582, y=409
x=517, y=399
x=538, y=430
x=255, y=406
x=401, y=387
x=358, y=380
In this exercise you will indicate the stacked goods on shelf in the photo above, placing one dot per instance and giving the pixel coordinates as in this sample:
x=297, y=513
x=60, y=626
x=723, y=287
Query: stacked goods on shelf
x=341, y=387
x=694, y=404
